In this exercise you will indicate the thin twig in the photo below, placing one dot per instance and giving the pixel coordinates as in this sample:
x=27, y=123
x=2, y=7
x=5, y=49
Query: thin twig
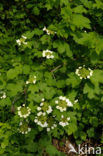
x=56, y=68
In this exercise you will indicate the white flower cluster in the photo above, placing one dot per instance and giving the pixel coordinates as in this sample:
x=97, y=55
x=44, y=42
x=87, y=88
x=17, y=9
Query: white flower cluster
x=82, y=72
x=44, y=107
x=63, y=103
x=3, y=95
x=48, y=54
x=21, y=40
x=33, y=80
x=24, y=129
x=23, y=111
x=49, y=32
x=48, y=111
x=64, y=121
x=40, y=119
x=52, y=127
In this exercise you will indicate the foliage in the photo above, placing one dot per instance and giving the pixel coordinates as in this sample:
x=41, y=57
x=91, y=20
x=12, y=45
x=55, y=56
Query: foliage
x=73, y=34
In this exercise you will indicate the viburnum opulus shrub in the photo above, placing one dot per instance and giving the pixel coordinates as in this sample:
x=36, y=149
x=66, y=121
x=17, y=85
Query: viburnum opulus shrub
x=51, y=74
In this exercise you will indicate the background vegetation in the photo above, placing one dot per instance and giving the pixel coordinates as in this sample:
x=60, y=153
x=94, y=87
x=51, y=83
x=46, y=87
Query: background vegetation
x=76, y=39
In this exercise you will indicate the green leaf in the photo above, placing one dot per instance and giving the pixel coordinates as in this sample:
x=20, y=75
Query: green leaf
x=79, y=9
x=53, y=151
x=98, y=4
x=26, y=69
x=73, y=80
x=36, y=11
x=14, y=88
x=68, y=50
x=90, y=90
x=13, y=73
x=80, y=21
x=60, y=84
x=83, y=135
x=90, y=132
x=5, y=102
x=97, y=77
x=62, y=47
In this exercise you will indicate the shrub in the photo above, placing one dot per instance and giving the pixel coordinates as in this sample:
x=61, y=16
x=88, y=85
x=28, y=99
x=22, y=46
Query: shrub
x=51, y=74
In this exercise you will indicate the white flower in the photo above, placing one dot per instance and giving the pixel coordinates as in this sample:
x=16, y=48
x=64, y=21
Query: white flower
x=77, y=71
x=18, y=42
x=44, y=114
x=88, y=76
x=64, y=98
x=63, y=124
x=34, y=81
x=44, y=107
x=69, y=104
x=38, y=108
x=48, y=31
x=48, y=57
x=22, y=129
x=40, y=119
x=42, y=124
x=55, y=125
x=52, y=127
x=91, y=73
x=52, y=56
x=44, y=29
x=68, y=118
x=56, y=101
x=25, y=132
x=80, y=72
x=31, y=80
x=25, y=43
x=3, y=95
x=40, y=113
x=49, y=110
x=27, y=82
x=43, y=99
x=45, y=124
x=23, y=111
x=24, y=37
x=76, y=101
x=21, y=40
x=20, y=123
x=63, y=103
x=48, y=129
x=60, y=97
x=48, y=54
x=62, y=109
x=35, y=120
x=29, y=129
x=42, y=104
x=57, y=107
